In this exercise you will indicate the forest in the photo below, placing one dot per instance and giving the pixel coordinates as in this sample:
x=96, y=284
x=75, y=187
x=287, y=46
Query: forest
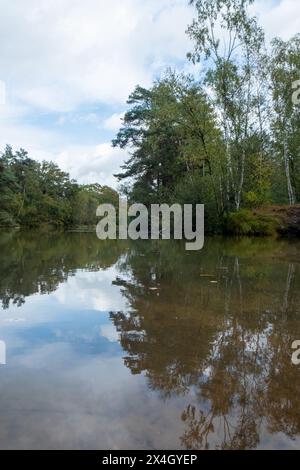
x=227, y=136
x=34, y=194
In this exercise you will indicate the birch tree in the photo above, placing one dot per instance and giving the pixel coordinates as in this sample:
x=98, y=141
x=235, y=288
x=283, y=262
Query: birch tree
x=285, y=72
x=231, y=42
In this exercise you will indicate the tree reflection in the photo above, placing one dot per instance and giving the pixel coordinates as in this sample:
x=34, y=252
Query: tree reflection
x=213, y=328
x=223, y=345
x=38, y=262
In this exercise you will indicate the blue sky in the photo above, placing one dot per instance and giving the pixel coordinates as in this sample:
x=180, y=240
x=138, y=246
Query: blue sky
x=68, y=67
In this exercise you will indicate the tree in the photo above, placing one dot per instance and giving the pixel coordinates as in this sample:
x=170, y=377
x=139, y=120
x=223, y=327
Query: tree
x=171, y=133
x=33, y=193
x=232, y=44
x=285, y=70
x=88, y=198
x=9, y=189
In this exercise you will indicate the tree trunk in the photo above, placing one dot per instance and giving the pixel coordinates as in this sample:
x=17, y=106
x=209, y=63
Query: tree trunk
x=291, y=192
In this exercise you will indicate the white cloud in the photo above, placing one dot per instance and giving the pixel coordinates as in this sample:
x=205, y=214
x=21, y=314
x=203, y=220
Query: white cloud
x=92, y=290
x=114, y=122
x=93, y=163
x=2, y=93
x=85, y=163
x=59, y=55
x=62, y=53
x=109, y=332
x=62, y=56
x=15, y=130
x=279, y=18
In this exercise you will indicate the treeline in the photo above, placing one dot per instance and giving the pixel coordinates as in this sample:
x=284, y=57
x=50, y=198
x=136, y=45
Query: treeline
x=230, y=139
x=33, y=193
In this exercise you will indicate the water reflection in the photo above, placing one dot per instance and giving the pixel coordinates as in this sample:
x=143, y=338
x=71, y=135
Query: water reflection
x=220, y=325
x=39, y=262
x=206, y=338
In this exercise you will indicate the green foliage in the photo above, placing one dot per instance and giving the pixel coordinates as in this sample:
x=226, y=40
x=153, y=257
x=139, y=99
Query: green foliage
x=33, y=194
x=258, y=185
x=86, y=201
x=285, y=70
x=230, y=140
x=231, y=39
x=245, y=222
x=194, y=189
x=175, y=143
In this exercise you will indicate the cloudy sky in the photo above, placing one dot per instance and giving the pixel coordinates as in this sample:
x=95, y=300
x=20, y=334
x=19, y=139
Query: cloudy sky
x=68, y=67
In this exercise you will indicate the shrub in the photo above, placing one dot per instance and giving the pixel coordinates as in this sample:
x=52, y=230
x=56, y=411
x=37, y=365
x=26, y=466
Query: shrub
x=245, y=222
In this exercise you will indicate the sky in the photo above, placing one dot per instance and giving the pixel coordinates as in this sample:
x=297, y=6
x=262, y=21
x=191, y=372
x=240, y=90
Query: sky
x=68, y=66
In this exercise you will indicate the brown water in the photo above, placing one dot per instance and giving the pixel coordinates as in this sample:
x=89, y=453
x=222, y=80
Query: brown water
x=144, y=345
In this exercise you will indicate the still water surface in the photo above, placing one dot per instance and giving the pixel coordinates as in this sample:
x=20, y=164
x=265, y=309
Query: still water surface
x=146, y=346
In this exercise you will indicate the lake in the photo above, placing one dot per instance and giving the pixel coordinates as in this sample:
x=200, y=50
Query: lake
x=143, y=345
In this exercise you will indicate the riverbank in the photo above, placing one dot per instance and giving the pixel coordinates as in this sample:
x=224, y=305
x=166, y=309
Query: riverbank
x=272, y=220
x=287, y=218
x=283, y=221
